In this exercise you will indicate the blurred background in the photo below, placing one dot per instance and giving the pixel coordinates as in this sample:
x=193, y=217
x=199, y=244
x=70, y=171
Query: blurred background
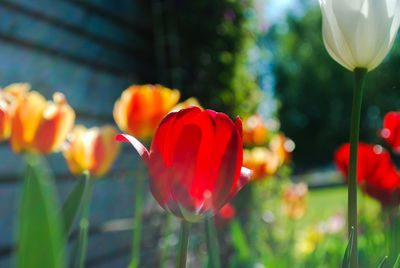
x=236, y=56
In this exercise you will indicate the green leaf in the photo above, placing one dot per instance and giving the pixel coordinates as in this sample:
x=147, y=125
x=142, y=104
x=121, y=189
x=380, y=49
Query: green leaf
x=347, y=254
x=397, y=263
x=72, y=204
x=239, y=241
x=40, y=239
x=383, y=262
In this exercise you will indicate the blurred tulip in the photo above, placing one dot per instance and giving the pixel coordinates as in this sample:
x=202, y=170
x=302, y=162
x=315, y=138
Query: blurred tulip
x=262, y=161
x=308, y=241
x=369, y=157
x=140, y=109
x=41, y=126
x=255, y=131
x=391, y=130
x=294, y=203
x=17, y=90
x=187, y=103
x=282, y=146
x=224, y=215
x=376, y=174
x=359, y=33
x=195, y=162
x=9, y=98
x=93, y=150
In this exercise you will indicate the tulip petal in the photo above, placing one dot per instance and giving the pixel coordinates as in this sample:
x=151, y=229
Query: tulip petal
x=184, y=167
x=229, y=161
x=139, y=147
x=239, y=126
x=168, y=131
x=245, y=176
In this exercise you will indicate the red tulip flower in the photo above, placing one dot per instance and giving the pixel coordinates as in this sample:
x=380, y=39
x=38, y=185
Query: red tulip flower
x=195, y=162
x=391, y=130
x=376, y=174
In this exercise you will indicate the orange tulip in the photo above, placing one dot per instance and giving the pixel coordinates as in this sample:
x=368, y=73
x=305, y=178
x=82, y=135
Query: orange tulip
x=140, y=109
x=93, y=150
x=8, y=100
x=255, y=131
x=41, y=126
x=262, y=161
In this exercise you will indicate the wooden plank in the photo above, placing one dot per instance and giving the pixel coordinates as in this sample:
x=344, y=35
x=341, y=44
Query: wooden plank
x=48, y=74
x=41, y=35
x=107, y=10
x=74, y=13
x=77, y=29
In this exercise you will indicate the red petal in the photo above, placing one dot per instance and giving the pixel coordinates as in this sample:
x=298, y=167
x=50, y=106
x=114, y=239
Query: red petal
x=391, y=130
x=136, y=144
x=160, y=179
x=369, y=157
x=228, y=161
x=168, y=131
x=184, y=166
x=239, y=126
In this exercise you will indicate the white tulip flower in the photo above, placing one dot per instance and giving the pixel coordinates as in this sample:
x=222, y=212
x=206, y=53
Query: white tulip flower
x=359, y=33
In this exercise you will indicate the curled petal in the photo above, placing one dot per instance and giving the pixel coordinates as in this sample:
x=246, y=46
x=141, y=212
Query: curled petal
x=245, y=176
x=139, y=147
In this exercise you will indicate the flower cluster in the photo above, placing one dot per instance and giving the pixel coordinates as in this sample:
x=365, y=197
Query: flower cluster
x=36, y=125
x=267, y=151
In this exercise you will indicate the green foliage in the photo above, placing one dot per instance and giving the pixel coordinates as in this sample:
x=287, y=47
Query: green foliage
x=268, y=237
x=72, y=204
x=240, y=245
x=315, y=92
x=382, y=264
x=41, y=241
x=397, y=263
x=206, y=53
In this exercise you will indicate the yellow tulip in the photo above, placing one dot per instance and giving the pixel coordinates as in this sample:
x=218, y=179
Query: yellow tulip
x=93, y=150
x=41, y=126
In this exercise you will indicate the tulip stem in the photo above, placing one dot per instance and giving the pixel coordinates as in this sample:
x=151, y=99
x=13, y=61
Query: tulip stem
x=137, y=221
x=212, y=242
x=183, y=244
x=394, y=238
x=165, y=245
x=359, y=74
x=84, y=223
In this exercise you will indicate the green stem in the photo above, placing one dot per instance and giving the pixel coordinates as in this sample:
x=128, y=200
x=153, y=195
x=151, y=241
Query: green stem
x=394, y=238
x=137, y=221
x=354, y=134
x=183, y=244
x=212, y=242
x=84, y=224
x=165, y=244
